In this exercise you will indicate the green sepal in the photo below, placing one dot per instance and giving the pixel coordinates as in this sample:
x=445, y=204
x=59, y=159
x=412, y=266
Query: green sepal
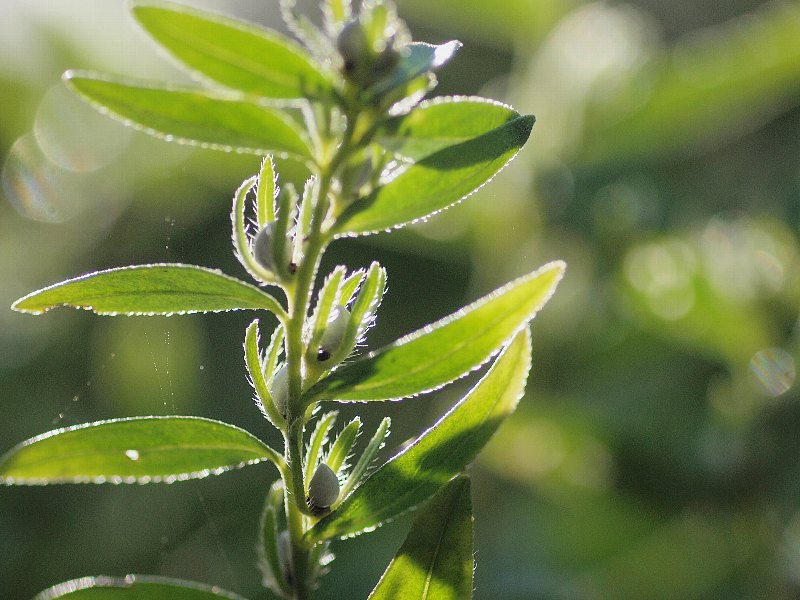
x=267, y=549
x=255, y=370
x=318, y=439
x=343, y=444
x=365, y=460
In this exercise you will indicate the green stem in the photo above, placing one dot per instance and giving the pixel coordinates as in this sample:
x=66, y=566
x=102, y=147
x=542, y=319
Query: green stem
x=298, y=299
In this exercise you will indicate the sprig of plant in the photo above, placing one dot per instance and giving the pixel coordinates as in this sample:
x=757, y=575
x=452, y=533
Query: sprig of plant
x=349, y=105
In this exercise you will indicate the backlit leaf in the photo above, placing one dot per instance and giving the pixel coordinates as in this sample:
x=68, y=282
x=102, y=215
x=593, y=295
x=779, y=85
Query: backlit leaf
x=134, y=587
x=436, y=182
x=236, y=54
x=438, y=455
x=435, y=562
x=446, y=350
x=160, y=289
x=133, y=450
x=193, y=116
x=442, y=122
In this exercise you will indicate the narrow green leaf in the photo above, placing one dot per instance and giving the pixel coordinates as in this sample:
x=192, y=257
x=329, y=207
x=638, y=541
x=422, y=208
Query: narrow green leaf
x=349, y=286
x=236, y=54
x=326, y=299
x=134, y=587
x=443, y=122
x=193, y=116
x=435, y=562
x=160, y=289
x=269, y=560
x=436, y=182
x=133, y=450
x=440, y=353
x=439, y=454
x=358, y=471
x=265, y=192
x=252, y=359
x=343, y=444
x=318, y=439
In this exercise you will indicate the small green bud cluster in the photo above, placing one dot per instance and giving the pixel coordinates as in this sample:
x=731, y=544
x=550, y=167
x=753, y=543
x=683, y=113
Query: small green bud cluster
x=371, y=46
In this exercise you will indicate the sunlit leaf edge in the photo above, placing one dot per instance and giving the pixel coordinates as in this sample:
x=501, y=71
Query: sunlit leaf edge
x=437, y=101
x=528, y=122
x=220, y=95
x=269, y=455
x=313, y=534
x=67, y=588
x=236, y=23
x=556, y=265
x=270, y=303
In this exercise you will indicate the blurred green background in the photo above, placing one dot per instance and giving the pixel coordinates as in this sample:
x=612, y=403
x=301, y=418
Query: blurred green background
x=657, y=452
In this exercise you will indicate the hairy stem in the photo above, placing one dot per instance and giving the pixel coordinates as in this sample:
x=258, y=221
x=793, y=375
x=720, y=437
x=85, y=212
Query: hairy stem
x=299, y=296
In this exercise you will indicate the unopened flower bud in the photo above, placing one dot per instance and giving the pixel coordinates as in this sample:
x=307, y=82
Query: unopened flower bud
x=323, y=490
x=335, y=329
x=263, y=248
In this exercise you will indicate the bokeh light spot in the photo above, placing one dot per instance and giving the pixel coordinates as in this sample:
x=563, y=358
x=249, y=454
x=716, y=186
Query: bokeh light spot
x=774, y=370
x=73, y=135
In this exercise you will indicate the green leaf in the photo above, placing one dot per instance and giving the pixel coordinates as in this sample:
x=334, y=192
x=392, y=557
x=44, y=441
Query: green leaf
x=436, y=182
x=435, y=562
x=134, y=587
x=440, y=353
x=439, y=454
x=236, y=54
x=193, y=116
x=133, y=450
x=442, y=122
x=160, y=289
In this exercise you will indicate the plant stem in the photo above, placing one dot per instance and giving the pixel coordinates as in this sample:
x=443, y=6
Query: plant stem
x=298, y=299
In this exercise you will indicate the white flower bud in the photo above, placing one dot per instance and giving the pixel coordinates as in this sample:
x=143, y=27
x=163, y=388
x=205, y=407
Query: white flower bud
x=262, y=247
x=323, y=489
x=280, y=389
x=334, y=332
